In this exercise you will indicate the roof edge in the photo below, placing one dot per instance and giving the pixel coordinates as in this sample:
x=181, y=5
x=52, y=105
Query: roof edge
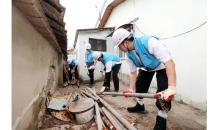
x=90, y=30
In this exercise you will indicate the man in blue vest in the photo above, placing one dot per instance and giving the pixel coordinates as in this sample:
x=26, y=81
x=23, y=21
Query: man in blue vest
x=148, y=54
x=89, y=63
x=72, y=64
x=112, y=63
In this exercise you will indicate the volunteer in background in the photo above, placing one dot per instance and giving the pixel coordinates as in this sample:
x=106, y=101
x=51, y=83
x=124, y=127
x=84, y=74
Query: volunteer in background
x=151, y=56
x=89, y=63
x=72, y=64
x=111, y=63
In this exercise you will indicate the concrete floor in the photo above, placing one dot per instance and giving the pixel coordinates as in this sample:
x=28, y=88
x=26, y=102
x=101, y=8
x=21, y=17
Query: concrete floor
x=181, y=116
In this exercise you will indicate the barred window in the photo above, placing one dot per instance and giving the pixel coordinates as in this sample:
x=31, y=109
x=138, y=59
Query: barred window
x=98, y=44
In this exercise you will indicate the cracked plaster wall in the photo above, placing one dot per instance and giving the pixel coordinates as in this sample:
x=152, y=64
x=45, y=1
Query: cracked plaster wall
x=32, y=56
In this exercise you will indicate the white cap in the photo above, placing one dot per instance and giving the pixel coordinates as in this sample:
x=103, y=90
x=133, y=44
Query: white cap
x=119, y=35
x=69, y=61
x=96, y=55
x=88, y=46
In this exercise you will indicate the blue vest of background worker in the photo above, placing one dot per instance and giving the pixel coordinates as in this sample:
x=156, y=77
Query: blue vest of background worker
x=151, y=56
x=111, y=63
x=89, y=63
x=72, y=64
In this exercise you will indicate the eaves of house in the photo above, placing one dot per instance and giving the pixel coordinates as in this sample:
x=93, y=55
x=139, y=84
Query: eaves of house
x=47, y=18
x=89, y=31
x=107, y=12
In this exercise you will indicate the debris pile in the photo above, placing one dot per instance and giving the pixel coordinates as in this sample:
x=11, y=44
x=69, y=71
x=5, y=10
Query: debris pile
x=85, y=106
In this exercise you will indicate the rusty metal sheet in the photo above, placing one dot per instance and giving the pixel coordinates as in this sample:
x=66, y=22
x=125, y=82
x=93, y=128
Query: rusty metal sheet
x=81, y=105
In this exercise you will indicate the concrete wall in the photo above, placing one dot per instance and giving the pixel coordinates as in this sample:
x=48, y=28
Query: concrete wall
x=165, y=19
x=80, y=47
x=34, y=67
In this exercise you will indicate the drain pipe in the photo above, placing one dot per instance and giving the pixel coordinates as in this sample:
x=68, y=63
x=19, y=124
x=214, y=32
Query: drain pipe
x=118, y=122
x=92, y=92
x=111, y=119
x=96, y=99
x=66, y=102
x=117, y=115
x=98, y=116
x=83, y=94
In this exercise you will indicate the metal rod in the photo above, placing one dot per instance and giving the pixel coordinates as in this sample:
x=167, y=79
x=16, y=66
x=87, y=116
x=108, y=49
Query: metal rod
x=117, y=115
x=96, y=99
x=99, y=123
x=144, y=95
x=111, y=119
x=66, y=102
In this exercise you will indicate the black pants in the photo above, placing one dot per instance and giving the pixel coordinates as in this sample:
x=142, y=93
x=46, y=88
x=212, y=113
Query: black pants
x=115, y=70
x=144, y=80
x=76, y=75
x=91, y=75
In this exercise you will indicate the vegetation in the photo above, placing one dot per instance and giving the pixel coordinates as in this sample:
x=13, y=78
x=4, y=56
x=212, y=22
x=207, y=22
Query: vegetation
x=181, y=102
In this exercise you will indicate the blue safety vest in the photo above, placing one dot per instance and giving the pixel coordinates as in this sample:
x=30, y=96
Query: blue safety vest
x=72, y=64
x=89, y=60
x=149, y=61
x=109, y=57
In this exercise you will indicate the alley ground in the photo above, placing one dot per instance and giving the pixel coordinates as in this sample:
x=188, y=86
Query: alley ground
x=181, y=116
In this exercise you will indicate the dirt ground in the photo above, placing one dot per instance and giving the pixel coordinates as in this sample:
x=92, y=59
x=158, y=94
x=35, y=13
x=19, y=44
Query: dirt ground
x=180, y=117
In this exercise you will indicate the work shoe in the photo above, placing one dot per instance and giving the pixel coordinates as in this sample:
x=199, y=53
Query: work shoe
x=116, y=92
x=107, y=89
x=160, y=123
x=90, y=85
x=137, y=108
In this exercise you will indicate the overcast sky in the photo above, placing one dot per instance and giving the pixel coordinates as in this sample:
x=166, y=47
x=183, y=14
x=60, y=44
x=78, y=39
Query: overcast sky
x=80, y=14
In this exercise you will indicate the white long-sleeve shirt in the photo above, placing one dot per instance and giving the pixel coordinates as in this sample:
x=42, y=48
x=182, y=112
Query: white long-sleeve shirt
x=156, y=48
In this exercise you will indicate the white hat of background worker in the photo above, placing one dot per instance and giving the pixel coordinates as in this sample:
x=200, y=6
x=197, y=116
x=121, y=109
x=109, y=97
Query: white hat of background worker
x=119, y=35
x=69, y=61
x=96, y=55
x=88, y=46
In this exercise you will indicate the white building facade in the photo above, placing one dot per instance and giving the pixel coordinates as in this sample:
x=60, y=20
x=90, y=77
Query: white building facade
x=96, y=37
x=181, y=25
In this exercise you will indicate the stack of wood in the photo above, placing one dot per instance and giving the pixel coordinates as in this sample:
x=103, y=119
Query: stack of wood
x=55, y=12
x=106, y=116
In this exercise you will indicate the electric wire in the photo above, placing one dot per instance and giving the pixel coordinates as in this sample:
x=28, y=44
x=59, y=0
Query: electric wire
x=172, y=36
x=175, y=35
x=93, y=4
